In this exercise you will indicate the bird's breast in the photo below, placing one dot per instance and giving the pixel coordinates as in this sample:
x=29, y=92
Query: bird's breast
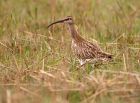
x=75, y=48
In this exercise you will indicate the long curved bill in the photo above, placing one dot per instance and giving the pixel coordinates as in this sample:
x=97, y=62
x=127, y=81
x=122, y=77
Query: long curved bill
x=59, y=21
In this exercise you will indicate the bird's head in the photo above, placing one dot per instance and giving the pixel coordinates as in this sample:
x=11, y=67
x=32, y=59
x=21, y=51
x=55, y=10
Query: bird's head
x=67, y=20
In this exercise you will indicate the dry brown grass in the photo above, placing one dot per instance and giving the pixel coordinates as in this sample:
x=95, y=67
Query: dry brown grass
x=37, y=65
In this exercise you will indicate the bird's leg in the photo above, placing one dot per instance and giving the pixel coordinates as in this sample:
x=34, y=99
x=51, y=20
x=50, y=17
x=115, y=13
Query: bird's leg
x=93, y=67
x=91, y=61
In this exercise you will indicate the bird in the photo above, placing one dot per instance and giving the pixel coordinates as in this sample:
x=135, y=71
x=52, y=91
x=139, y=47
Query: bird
x=86, y=51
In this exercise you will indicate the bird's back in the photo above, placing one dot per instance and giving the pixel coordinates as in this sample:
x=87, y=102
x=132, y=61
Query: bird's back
x=88, y=50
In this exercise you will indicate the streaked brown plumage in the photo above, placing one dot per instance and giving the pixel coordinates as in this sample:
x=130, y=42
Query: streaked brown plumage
x=83, y=49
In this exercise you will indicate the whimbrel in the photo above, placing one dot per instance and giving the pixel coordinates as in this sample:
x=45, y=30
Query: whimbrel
x=86, y=51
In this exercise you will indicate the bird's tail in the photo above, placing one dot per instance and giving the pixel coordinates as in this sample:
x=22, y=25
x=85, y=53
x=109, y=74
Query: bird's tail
x=105, y=56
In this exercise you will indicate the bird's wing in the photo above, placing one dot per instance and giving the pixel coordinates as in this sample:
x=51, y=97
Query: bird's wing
x=87, y=50
x=99, y=53
x=95, y=46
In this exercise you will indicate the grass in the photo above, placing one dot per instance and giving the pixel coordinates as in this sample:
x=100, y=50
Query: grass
x=37, y=65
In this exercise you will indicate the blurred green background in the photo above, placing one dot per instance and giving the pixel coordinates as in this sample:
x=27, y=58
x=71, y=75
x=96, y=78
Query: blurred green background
x=38, y=66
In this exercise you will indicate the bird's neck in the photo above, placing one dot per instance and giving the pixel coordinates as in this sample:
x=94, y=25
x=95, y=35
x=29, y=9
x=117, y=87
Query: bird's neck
x=74, y=33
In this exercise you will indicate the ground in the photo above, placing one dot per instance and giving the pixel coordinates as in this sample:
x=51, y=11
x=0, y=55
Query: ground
x=38, y=66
